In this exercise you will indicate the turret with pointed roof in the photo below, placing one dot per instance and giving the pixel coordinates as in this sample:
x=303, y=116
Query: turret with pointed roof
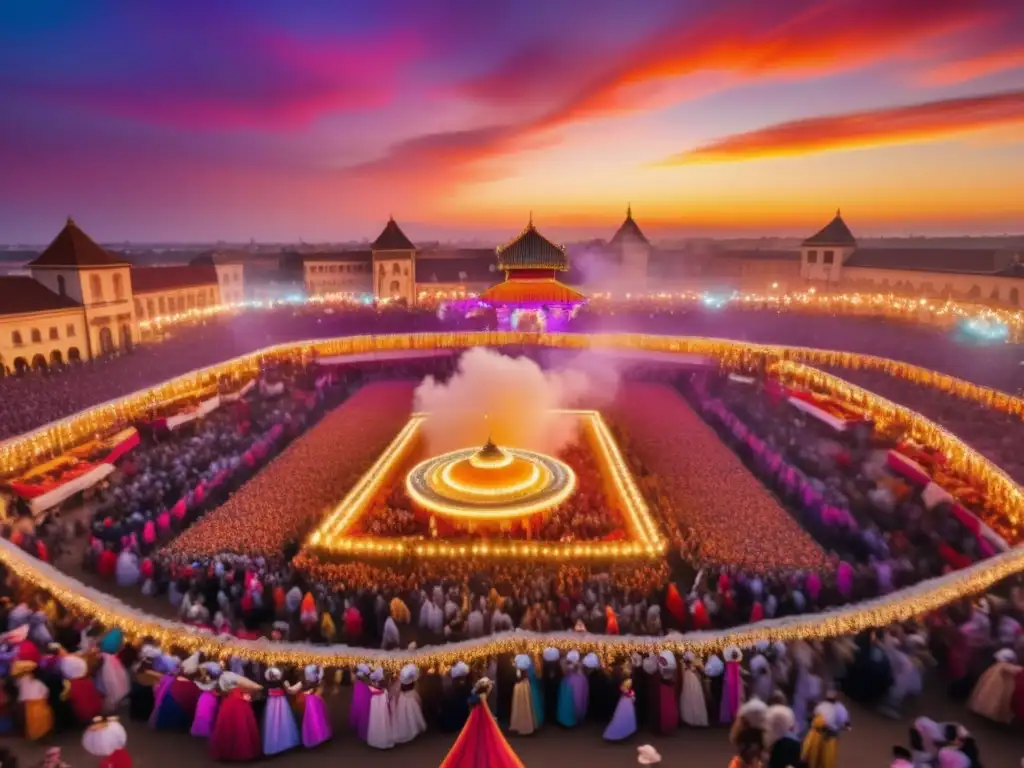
x=834, y=233
x=531, y=250
x=73, y=248
x=629, y=232
x=392, y=238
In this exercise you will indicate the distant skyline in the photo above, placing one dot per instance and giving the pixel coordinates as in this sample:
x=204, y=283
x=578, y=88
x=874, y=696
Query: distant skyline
x=201, y=122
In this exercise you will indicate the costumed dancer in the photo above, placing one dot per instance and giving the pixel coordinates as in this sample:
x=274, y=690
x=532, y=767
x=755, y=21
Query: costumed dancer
x=280, y=733
x=693, y=709
x=379, y=734
x=761, y=682
x=537, y=692
x=752, y=716
x=145, y=679
x=714, y=673
x=604, y=692
x=668, y=698
x=455, y=700
x=781, y=739
x=236, y=734
x=522, y=720
x=821, y=745
x=316, y=726
x=400, y=616
x=209, y=700
x=992, y=697
x=79, y=689
x=480, y=743
x=359, y=715
x=34, y=698
x=407, y=719
x=732, y=688
x=567, y=709
x=552, y=680
x=106, y=739
x=176, y=708
x=623, y=723
x=112, y=679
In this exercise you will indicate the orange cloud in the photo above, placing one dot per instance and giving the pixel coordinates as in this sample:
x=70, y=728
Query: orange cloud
x=983, y=65
x=930, y=121
x=820, y=39
x=737, y=43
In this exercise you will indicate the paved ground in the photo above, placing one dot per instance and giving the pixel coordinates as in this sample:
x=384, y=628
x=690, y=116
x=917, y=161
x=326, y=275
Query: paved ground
x=866, y=746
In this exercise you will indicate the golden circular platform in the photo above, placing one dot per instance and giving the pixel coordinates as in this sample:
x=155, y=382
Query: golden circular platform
x=490, y=484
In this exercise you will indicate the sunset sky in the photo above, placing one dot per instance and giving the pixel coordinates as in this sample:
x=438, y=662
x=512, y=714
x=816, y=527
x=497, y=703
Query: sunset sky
x=229, y=119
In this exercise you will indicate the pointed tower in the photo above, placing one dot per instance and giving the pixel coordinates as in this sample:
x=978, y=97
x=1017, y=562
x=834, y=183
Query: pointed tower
x=394, y=265
x=73, y=265
x=823, y=254
x=632, y=250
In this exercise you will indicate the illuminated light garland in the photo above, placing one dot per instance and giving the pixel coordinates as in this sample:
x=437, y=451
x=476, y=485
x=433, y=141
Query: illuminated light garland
x=899, y=606
x=788, y=362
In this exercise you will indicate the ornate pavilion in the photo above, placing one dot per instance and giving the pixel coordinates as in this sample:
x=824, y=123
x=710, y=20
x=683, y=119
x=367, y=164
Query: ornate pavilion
x=531, y=297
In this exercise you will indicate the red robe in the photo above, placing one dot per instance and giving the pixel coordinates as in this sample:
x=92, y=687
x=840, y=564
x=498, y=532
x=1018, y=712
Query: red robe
x=107, y=564
x=120, y=759
x=236, y=735
x=481, y=744
x=85, y=700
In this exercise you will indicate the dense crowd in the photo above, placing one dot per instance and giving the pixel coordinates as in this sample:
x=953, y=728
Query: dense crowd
x=36, y=398
x=819, y=520
x=781, y=704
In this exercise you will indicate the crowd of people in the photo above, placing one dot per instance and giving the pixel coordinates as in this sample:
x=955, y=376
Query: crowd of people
x=782, y=704
x=192, y=516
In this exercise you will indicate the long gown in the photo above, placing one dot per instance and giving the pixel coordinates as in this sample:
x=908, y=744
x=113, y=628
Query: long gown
x=480, y=743
x=693, y=709
x=359, y=716
x=280, y=733
x=407, y=720
x=316, y=726
x=992, y=697
x=378, y=732
x=732, y=693
x=669, y=704
x=523, y=719
x=175, y=704
x=623, y=723
x=206, y=713
x=236, y=734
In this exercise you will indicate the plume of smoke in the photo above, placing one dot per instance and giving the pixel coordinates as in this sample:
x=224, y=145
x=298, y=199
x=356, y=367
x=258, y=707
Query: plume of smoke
x=511, y=400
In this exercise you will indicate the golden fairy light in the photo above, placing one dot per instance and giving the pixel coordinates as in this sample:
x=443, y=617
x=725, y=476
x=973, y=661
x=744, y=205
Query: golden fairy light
x=792, y=364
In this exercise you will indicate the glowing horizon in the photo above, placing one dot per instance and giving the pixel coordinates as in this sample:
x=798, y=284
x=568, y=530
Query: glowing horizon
x=196, y=122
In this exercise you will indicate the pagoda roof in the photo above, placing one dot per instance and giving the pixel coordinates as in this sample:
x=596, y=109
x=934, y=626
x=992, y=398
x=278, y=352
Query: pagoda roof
x=629, y=231
x=531, y=250
x=392, y=239
x=544, y=291
x=73, y=248
x=834, y=233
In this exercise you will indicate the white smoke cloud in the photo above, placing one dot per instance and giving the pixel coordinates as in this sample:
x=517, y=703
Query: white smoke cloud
x=511, y=401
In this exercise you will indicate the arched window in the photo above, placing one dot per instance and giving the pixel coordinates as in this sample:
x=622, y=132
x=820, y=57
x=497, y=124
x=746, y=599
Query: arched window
x=16, y=339
x=150, y=309
x=36, y=336
x=138, y=308
x=396, y=269
x=975, y=291
x=1015, y=297
x=54, y=333
x=118, y=286
x=106, y=341
x=96, y=287
x=62, y=287
x=163, y=306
